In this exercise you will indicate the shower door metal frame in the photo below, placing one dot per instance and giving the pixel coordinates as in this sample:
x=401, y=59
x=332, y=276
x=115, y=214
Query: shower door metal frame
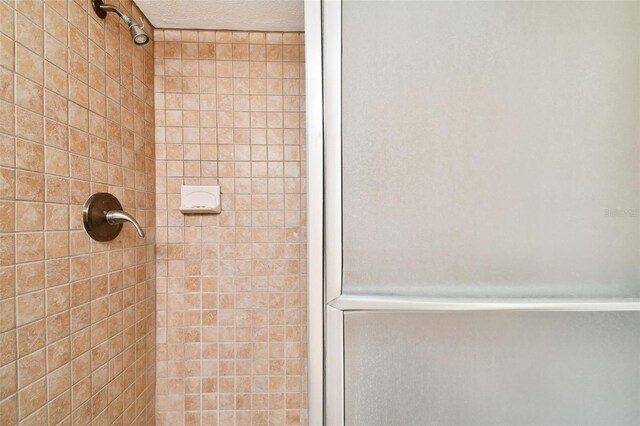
x=315, y=212
x=326, y=303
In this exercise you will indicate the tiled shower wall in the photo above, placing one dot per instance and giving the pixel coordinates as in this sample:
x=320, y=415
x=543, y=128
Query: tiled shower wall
x=231, y=288
x=77, y=317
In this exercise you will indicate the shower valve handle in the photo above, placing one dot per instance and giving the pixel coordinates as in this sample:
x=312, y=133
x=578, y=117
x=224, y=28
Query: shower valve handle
x=118, y=216
x=102, y=217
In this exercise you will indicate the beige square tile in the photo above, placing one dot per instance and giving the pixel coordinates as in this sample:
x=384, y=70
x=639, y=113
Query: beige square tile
x=32, y=398
x=29, y=64
x=29, y=216
x=7, y=315
x=78, y=43
x=55, y=106
x=56, y=217
x=57, y=162
x=8, y=381
x=8, y=411
x=31, y=337
x=7, y=113
x=60, y=408
x=29, y=125
x=57, y=244
x=29, y=186
x=58, y=326
x=55, y=51
x=7, y=150
x=29, y=34
x=7, y=50
x=57, y=299
x=55, y=22
x=7, y=223
x=57, y=189
x=58, y=354
x=31, y=368
x=56, y=134
x=29, y=95
x=29, y=246
x=6, y=85
x=78, y=16
x=7, y=282
x=7, y=249
x=56, y=79
x=6, y=19
x=57, y=272
x=33, y=9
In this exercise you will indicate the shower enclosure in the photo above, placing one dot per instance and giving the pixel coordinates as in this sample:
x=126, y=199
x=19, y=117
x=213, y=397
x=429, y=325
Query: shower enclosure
x=479, y=229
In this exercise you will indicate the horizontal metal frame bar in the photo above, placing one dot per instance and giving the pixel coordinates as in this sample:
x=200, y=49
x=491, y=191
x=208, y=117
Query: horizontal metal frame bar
x=393, y=303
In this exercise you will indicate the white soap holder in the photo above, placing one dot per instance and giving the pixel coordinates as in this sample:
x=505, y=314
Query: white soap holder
x=200, y=199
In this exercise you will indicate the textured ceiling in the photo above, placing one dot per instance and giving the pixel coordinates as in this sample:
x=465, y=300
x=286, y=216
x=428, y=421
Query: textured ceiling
x=266, y=15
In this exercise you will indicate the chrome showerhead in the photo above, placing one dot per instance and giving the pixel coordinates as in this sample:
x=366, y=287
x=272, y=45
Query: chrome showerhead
x=138, y=35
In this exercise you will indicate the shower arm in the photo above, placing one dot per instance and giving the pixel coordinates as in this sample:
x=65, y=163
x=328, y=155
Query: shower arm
x=102, y=8
x=111, y=8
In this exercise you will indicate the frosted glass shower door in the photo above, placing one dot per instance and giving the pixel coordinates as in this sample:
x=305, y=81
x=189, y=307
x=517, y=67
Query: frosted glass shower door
x=482, y=184
x=491, y=149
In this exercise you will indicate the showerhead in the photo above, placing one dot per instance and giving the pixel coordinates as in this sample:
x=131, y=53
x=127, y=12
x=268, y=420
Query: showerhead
x=138, y=35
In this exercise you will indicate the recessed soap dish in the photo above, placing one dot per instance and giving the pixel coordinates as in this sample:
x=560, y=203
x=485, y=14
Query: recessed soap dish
x=200, y=199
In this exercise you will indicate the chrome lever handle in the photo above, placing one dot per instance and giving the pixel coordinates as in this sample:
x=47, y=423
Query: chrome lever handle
x=118, y=216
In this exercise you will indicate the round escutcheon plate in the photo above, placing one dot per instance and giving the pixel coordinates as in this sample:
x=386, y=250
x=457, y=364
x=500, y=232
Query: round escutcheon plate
x=96, y=8
x=94, y=216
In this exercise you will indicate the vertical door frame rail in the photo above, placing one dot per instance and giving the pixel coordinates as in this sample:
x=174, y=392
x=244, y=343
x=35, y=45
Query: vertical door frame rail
x=334, y=339
x=324, y=206
x=315, y=212
x=326, y=303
